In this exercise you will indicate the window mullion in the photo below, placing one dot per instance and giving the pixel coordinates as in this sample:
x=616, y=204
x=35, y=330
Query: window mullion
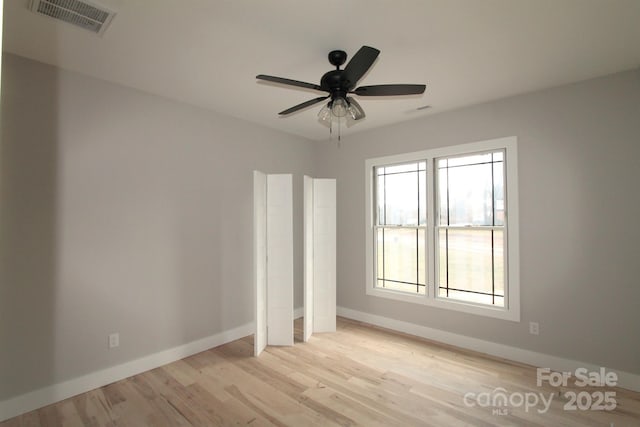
x=430, y=241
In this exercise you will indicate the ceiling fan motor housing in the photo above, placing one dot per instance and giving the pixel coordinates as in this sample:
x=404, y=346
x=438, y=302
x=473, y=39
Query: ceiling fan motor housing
x=336, y=83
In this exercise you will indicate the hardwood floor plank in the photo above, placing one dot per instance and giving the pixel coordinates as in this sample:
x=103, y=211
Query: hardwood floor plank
x=49, y=416
x=236, y=393
x=182, y=372
x=66, y=415
x=91, y=410
x=32, y=419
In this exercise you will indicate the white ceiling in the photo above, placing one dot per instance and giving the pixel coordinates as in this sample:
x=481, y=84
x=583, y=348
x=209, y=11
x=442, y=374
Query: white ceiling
x=208, y=52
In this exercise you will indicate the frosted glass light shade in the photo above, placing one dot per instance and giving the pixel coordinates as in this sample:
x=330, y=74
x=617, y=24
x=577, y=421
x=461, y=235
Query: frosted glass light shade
x=354, y=109
x=339, y=107
x=324, y=115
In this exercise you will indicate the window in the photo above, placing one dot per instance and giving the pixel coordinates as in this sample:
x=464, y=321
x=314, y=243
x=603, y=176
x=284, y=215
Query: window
x=470, y=227
x=401, y=226
x=442, y=228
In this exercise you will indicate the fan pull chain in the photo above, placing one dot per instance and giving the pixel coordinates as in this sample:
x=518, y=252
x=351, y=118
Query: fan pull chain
x=331, y=132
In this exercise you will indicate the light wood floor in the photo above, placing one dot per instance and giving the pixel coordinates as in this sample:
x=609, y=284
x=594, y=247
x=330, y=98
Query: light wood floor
x=360, y=375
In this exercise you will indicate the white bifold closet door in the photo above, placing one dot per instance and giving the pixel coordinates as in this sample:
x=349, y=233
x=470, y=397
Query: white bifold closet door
x=260, y=259
x=307, y=327
x=279, y=260
x=319, y=256
x=273, y=264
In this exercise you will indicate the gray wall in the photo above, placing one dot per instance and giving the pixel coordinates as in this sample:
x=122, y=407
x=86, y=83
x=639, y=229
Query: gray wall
x=122, y=212
x=579, y=171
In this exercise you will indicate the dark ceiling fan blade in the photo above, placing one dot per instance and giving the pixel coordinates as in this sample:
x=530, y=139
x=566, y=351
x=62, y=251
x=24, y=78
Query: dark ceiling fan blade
x=289, y=82
x=359, y=64
x=303, y=105
x=389, y=90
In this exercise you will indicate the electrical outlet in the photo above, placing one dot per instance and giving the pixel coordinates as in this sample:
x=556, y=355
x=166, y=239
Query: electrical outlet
x=534, y=328
x=114, y=340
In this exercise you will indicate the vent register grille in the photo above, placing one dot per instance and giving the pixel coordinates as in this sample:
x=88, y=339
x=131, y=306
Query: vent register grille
x=79, y=13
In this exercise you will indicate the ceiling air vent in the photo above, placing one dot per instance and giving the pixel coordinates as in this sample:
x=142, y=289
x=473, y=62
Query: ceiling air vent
x=80, y=13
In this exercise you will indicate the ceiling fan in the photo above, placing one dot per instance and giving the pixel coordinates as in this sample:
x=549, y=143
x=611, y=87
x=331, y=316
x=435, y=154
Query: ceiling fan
x=342, y=83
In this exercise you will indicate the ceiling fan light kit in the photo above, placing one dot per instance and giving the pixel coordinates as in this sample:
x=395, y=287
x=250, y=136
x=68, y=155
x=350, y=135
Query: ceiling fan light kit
x=341, y=83
x=341, y=110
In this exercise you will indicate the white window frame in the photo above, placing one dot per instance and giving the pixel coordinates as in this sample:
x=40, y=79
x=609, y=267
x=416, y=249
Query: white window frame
x=511, y=309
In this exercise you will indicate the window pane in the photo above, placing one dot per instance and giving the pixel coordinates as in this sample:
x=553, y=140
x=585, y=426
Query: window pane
x=443, y=200
x=401, y=261
x=408, y=167
x=470, y=264
x=401, y=194
x=471, y=190
x=469, y=260
x=498, y=261
x=475, y=298
x=401, y=198
x=422, y=197
x=469, y=160
x=400, y=255
x=380, y=192
x=380, y=241
x=498, y=191
x=470, y=195
x=402, y=287
x=422, y=269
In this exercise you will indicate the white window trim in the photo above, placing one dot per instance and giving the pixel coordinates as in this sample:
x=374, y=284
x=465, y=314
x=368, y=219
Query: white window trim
x=511, y=311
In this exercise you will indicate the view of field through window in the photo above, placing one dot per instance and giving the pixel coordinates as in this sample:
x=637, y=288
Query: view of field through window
x=401, y=231
x=469, y=246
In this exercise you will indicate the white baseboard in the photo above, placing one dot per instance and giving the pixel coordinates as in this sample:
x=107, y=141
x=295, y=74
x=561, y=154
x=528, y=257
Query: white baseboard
x=57, y=392
x=298, y=313
x=626, y=380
